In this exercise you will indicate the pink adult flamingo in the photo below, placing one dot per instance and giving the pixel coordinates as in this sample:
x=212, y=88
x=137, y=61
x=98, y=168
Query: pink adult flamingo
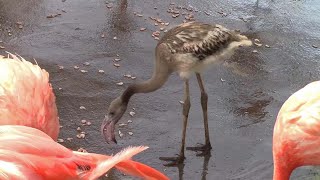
x=28, y=153
x=26, y=96
x=296, y=136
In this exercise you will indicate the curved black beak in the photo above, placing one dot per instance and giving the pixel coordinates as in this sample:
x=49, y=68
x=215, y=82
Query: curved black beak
x=107, y=130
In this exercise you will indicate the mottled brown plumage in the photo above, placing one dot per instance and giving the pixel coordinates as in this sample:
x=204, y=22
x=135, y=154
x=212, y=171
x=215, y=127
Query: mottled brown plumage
x=201, y=40
x=186, y=49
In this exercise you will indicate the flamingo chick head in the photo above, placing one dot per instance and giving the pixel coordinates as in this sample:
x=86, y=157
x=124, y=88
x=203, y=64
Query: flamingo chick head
x=116, y=110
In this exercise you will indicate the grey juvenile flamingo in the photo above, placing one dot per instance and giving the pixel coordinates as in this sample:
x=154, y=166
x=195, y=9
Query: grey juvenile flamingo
x=187, y=48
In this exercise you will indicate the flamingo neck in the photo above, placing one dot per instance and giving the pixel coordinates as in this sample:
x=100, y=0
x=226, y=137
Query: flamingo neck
x=282, y=169
x=159, y=77
x=147, y=86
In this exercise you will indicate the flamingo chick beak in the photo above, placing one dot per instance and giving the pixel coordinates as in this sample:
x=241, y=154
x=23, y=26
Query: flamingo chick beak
x=107, y=130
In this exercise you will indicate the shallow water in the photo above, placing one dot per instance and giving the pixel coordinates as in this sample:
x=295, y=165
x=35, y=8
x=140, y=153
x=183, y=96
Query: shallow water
x=242, y=109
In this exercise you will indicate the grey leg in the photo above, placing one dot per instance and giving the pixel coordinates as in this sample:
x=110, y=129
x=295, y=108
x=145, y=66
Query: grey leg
x=186, y=108
x=204, y=103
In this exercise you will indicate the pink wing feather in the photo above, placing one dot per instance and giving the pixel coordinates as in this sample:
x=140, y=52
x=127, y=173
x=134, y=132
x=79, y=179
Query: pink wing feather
x=27, y=153
x=26, y=96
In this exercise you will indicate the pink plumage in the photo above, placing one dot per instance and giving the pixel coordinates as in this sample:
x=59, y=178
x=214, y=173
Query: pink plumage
x=296, y=135
x=26, y=96
x=28, y=153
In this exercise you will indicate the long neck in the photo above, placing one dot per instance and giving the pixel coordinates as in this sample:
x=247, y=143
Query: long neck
x=282, y=170
x=159, y=77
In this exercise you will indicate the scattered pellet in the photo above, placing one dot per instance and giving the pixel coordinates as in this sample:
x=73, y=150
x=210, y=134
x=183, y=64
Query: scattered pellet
x=83, y=121
x=82, y=135
x=132, y=113
x=257, y=44
x=120, y=134
x=122, y=124
x=119, y=83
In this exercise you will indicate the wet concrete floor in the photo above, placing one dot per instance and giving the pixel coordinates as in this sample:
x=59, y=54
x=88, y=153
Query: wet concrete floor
x=244, y=96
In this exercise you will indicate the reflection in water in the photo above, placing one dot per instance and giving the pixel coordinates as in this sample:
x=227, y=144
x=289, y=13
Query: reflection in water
x=180, y=169
x=204, y=168
x=123, y=5
x=120, y=23
x=13, y=11
x=253, y=106
x=121, y=20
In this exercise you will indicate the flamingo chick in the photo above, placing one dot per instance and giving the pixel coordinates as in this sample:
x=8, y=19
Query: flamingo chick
x=296, y=135
x=28, y=153
x=186, y=49
x=26, y=96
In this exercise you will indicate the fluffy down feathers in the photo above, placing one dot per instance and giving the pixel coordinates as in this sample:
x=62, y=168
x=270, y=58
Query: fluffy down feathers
x=26, y=96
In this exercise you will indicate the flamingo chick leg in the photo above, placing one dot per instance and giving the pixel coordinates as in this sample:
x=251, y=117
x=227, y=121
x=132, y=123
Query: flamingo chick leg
x=186, y=107
x=205, y=149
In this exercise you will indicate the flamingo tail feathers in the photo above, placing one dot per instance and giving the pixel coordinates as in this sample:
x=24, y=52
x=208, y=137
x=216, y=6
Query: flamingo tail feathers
x=137, y=169
x=107, y=164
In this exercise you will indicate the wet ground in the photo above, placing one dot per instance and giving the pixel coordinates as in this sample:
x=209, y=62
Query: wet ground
x=244, y=96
